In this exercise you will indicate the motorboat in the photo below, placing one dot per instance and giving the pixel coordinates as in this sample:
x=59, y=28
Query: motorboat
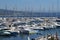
x=4, y=33
x=8, y=31
x=30, y=30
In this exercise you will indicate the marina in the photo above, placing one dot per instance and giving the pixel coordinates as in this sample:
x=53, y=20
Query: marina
x=29, y=27
x=29, y=19
x=32, y=36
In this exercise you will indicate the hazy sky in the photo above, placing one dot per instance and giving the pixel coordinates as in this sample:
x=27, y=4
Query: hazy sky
x=31, y=5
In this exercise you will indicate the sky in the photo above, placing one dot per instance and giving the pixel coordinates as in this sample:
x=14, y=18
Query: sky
x=31, y=5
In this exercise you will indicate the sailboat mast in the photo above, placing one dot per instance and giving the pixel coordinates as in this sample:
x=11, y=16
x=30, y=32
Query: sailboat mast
x=25, y=12
x=31, y=12
x=6, y=11
x=52, y=10
x=14, y=11
x=57, y=8
x=49, y=11
x=44, y=11
x=40, y=10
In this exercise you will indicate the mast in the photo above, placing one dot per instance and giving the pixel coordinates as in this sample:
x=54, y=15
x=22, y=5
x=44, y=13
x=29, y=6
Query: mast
x=52, y=10
x=25, y=12
x=44, y=11
x=40, y=10
x=6, y=11
x=31, y=12
x=49, y=11
x=14, y=10
x=57, y=8
x=16, y=14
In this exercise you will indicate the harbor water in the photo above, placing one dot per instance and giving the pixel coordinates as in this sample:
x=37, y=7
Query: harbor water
x=25, y=37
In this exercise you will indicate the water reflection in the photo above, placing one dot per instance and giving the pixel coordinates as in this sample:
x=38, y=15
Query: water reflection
x=26, y=37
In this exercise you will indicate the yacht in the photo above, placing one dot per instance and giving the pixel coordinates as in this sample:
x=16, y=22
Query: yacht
x=4, y=33
x=8, y=31
x=30, y=30
x=27, y=30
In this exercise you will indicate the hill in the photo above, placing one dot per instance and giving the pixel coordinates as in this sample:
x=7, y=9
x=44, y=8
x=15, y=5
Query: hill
x=12, y=13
